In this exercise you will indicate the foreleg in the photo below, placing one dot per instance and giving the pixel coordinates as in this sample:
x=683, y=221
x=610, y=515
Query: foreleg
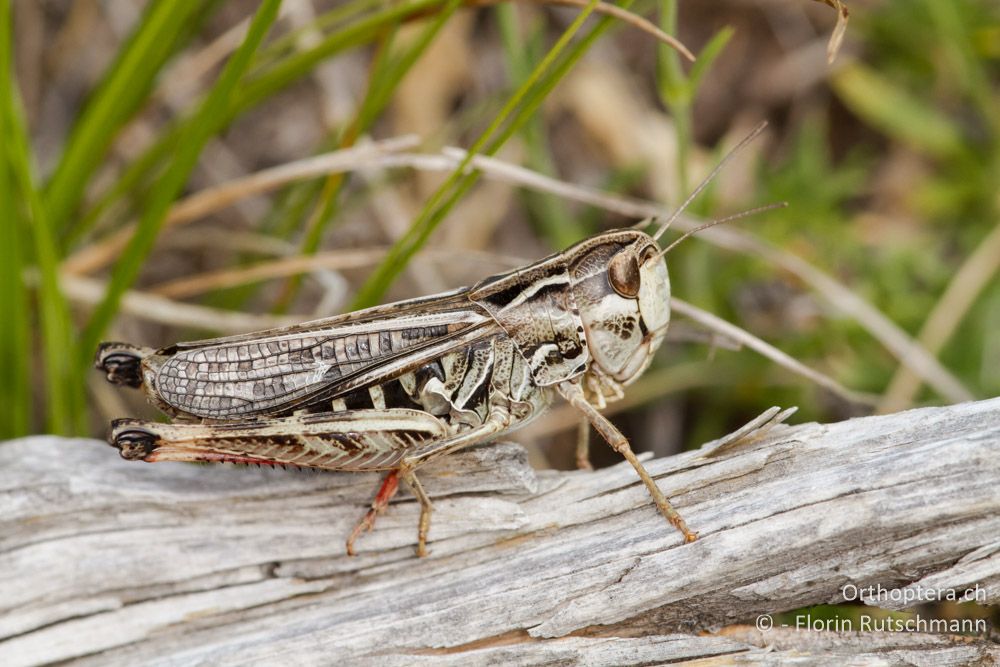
x=572, y=393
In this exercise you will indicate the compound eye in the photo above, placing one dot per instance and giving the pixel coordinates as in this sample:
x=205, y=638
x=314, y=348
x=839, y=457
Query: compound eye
x=623, y=274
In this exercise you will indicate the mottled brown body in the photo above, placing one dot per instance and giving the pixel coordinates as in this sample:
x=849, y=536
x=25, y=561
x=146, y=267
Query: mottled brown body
x=389, y=388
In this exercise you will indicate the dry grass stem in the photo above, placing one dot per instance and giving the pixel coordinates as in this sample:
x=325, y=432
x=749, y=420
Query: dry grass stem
x=786, y=361
x=963, y=290
x=154, y=308
x=337, y=260
x=907, y=350
x=204, y=202
x=230, y=240
x=839, y=30
x=183, y=288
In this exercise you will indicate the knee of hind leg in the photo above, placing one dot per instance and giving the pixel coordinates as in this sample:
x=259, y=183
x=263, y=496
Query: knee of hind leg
x=121, y=362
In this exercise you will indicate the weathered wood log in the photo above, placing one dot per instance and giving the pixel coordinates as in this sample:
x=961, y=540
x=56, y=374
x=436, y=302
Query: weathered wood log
x=124, y=563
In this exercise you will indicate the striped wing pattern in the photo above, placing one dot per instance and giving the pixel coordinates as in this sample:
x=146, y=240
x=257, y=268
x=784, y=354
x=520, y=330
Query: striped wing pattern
x=358, y=441
x=229, y=379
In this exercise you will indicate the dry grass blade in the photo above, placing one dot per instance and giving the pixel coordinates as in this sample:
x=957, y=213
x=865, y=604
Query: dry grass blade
x=631, y=19
x=228, y=240
x=786, y=361
x=970, y=280
x=189, y=286
x=291, y=266
x=839, y=30
x=908, y=351
x=182, y=81
x=100, y=254
x=154, y=308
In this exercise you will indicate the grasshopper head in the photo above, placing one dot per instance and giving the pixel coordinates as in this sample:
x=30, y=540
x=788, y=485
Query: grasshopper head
x=626, y=316
x=621, y=286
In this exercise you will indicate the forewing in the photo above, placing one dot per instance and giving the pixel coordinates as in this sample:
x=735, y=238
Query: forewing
x=455, y=301
x=274, y=372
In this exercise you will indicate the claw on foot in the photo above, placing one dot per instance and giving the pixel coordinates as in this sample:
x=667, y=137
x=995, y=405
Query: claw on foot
x=365, y=525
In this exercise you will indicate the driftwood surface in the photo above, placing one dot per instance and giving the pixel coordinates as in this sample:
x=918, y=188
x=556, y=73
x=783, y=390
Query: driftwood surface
x=111, y=562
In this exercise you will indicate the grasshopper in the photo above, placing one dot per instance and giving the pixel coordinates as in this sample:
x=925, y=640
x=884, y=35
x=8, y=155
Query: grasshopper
x=392, y=387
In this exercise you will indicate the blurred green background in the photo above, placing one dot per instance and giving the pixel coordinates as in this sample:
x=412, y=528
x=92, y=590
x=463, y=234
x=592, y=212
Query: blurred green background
x=118, y=121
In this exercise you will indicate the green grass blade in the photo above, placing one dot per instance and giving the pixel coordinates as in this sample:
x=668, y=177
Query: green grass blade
x=15, y=342
x=547, y=211
x=707, y=56
x=400, y=66
x=534, y=98
x=286, y=43
x=119, y=96
x=297, y=65
x=384, y=81
x=196, y=134
x=371, y=106
x=64, y=411
x=537, y=94
x=258, y=88
x=459, y=182
x=672, y=81
x=387, y=73
x=325, y=203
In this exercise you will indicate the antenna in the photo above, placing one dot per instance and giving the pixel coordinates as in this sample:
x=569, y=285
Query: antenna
x=708, y=179
x=728, y=218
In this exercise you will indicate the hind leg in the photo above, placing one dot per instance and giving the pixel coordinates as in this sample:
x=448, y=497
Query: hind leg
x=388, y=488
x=122, y=362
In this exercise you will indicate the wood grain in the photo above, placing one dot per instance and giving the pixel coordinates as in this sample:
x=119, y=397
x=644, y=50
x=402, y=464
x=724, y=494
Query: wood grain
x=114, y=563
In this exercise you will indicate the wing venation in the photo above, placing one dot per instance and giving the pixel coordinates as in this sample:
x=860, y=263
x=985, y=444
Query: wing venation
x=229, y=379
